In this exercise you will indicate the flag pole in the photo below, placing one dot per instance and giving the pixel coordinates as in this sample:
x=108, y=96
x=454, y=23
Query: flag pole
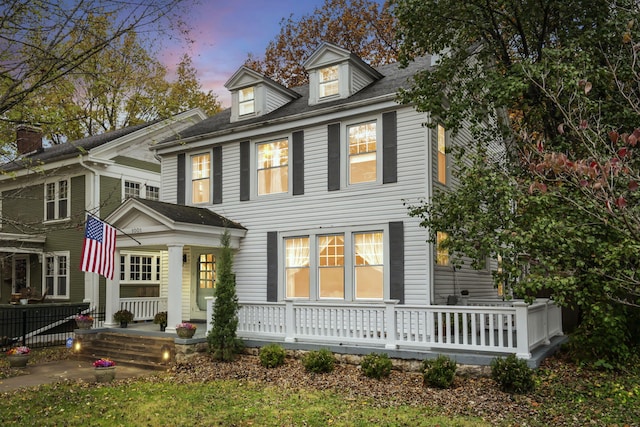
x=117, y=228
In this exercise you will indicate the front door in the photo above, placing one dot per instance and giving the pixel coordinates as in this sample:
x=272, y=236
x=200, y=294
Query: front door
x=205, y=279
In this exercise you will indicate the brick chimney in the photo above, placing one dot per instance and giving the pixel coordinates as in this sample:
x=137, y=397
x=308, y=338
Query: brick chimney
x=29, y=139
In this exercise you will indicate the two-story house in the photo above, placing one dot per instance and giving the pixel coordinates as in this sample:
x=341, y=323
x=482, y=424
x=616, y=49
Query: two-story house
x=312, y=182
x=46, y=193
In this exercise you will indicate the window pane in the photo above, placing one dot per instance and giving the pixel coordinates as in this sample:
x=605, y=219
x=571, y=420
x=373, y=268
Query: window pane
x=200, y=173
x=206, y=271
x=246, y=104
x=153, y=193
x=273, y=167
x=369, y=265
x=442, y=156
x=51, y=210
x=331, y=266
x=329, y=81
x=297, y=267
x=442, y=254
x=362, y=153
x=200, y=191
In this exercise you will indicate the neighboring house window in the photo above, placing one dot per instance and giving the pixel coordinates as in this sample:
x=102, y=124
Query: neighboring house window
x=200, y=178
x=273, y=167
x=56, y=275
x=206, y=271
x=331, y=266
x=442, y=254
x=297, y=279
x=246, y=101
x=140, y=268
x=362, y=153
x=344, y=266
x=329, y=81
x=442, y=155
x=152, y=193
x=57, y=200
x=131, y=189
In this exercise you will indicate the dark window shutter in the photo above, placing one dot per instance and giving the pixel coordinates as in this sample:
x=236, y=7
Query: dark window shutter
x=389, y=148
x=245, y=171
x=272, y=266
x=298, y=162
x=396, y=257
x=217, y=174
x=333, y=167
x=181, y=179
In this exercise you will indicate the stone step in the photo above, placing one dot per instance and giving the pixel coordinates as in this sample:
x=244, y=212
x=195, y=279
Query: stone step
x=129, y=349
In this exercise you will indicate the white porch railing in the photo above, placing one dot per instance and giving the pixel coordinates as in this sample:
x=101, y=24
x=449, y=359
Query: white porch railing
x=503, y=327
x=144, y=308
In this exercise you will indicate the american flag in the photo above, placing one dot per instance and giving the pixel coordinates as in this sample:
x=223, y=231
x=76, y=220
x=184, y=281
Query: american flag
x=99, y=248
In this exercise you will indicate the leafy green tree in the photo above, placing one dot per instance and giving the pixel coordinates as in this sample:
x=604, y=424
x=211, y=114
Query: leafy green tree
x=223, y=341
x=363, y=27
x=557, y=83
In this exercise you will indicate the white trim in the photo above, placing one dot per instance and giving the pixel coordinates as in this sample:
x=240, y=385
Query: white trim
x=56, y=201
x=53, y=291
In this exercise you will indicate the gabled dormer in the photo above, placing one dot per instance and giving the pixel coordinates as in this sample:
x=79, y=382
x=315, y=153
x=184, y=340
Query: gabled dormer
x=254, y=95
x=336, y=73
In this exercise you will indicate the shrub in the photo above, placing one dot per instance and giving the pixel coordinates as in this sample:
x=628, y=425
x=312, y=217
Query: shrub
x=376, y=365
x=512, y=374
x=272, y=356
x=318, y=361
x=439, y=372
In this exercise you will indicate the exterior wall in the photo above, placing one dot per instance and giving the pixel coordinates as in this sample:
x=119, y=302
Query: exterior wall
x=23, y=209
x=366, y=204
x=137, y=164
x=110, y=194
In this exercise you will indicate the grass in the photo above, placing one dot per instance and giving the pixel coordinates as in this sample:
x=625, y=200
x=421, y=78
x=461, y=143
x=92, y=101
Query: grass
x=144, y=403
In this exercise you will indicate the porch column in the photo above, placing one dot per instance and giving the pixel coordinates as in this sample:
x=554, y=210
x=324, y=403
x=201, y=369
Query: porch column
x=522, y=334
x=112, y=294
x=174, y=294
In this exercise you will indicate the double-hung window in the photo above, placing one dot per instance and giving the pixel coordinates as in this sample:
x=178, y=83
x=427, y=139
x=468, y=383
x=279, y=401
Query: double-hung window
x=363, y=159
x=152, y=192
x=328, y=80
x=131, y=189
x=200, y=178
x=344, y=266
x=56, y=275
x=246, y=101
x=57, y=200
x=273, y=167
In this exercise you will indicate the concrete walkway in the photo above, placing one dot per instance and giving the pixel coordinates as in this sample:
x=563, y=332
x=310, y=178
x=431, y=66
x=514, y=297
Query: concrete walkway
x=53, y=372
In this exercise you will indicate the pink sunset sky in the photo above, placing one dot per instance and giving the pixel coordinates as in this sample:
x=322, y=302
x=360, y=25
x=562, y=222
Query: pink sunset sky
x=225, y=32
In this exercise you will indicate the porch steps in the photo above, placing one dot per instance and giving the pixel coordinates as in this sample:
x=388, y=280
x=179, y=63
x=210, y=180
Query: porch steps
x=128, y=349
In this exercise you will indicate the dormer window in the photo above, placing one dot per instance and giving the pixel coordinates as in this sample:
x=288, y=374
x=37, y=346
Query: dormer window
x=246, y=101
x=329, y=84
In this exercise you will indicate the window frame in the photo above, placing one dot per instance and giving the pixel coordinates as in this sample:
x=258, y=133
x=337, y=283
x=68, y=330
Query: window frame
x=242, y=101
x=349, y=156
x=349, y=263
x=344, y=152
x=125, y=188
x=56, y=276
x=328, y=83
x=209, y=177
x=126, y=271
x=57, y=200
x=151, y=194
x=255, y=176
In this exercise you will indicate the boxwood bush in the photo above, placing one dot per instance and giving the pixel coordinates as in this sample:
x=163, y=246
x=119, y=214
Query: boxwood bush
x=512, y=374
x=439, y=372
x=319, y=361
x=376, y=365
x=272, y=356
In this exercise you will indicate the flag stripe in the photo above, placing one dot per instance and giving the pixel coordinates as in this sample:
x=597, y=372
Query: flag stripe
x=98, y=249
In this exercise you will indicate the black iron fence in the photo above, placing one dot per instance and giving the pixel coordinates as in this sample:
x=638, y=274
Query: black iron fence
x=39, y=325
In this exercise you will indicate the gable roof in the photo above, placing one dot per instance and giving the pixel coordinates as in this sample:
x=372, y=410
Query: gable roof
x=70, y=149
x=189, y=214
x=394, y=78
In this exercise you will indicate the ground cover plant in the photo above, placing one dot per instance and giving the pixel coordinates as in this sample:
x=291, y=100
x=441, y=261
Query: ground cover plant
x=244, y=392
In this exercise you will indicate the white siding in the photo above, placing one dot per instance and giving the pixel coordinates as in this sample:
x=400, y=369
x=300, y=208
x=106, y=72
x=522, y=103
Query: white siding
x=169, y=176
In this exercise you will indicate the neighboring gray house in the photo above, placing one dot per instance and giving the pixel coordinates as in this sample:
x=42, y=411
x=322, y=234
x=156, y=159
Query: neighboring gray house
x=45, y=196
x=311, y=182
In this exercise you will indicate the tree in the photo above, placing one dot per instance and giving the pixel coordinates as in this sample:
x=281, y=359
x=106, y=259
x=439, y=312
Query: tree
x=361, y=26
x=558, y=83
x=41, y=42
x=223, y=341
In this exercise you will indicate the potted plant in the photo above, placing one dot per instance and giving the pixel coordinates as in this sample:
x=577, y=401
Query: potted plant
x=18, y=356
x=185, y=329
x=105, y=370
x=161, y=319
x=464, y=297
x=124, y=317
x=84, y=321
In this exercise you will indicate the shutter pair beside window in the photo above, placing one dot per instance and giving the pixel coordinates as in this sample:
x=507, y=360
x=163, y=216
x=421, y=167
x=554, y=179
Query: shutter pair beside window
x=217, y=176
x=389, y=152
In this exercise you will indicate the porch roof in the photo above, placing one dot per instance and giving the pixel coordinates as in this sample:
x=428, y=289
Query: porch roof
x=154, y=224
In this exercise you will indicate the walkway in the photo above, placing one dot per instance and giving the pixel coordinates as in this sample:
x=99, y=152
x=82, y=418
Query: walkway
x=59, y=371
